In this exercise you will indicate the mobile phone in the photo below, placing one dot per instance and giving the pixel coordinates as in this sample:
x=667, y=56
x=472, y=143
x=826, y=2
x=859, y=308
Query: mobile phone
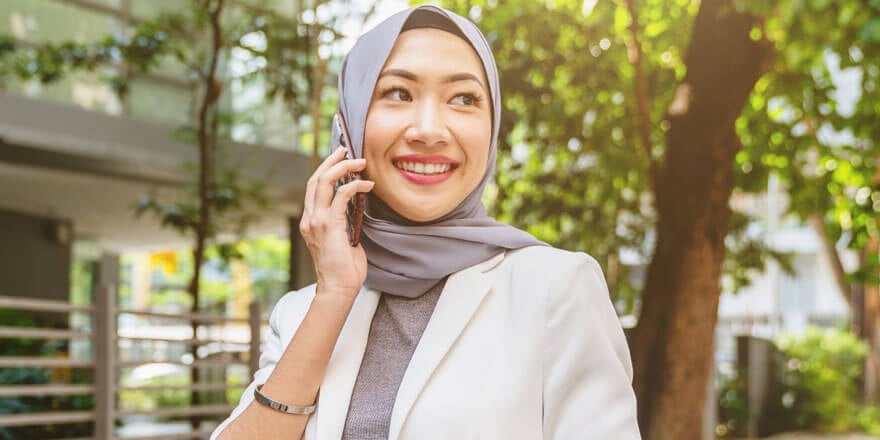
x=354, y=212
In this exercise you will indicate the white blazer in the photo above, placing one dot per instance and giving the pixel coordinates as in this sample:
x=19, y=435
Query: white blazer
x=525, y=345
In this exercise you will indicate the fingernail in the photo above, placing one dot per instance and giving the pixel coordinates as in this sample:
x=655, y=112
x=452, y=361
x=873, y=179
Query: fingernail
x=340, y=148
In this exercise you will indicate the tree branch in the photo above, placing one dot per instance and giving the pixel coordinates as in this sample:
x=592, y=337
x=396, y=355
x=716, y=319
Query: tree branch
x=634, y=54
x=207, y=144
x=817, y=222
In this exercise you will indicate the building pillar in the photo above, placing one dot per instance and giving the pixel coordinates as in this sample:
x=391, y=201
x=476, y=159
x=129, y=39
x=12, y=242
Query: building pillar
x=108, y=270
x=301, y=272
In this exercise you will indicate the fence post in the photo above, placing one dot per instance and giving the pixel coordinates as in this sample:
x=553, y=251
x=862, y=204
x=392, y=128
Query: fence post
x=255, y=320
x=104, y=339
x=755, y=357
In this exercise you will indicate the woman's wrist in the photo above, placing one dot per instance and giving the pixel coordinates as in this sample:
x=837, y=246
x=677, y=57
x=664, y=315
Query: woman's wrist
x=300, y=376
x=340, y=295
x=331, y=307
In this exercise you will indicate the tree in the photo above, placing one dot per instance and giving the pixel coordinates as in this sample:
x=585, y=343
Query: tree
x=680, y=299
x=629, y=125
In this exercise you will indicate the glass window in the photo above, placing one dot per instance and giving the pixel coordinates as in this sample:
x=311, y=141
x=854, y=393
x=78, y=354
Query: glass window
x=279, y=129
x=797, y=294
x=150, y=9
x=266, y=123
x=171, y=66
x=159, y=102
x=44, y=21
x=84, y=89
x=283, y=7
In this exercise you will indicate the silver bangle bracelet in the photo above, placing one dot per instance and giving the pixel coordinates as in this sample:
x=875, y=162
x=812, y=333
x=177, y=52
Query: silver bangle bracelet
x=281, y=407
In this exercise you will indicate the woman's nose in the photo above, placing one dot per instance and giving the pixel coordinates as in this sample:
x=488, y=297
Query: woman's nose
x=428, y=126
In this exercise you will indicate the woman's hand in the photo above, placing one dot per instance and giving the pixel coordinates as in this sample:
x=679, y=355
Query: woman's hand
x=341, y=267
x=294, y=372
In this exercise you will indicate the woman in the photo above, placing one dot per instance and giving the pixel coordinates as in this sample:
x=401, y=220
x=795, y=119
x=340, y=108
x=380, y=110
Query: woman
x=443, y=323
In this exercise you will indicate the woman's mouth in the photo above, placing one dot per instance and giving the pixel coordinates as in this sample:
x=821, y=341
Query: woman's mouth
x=424, y=168
x=425, y=172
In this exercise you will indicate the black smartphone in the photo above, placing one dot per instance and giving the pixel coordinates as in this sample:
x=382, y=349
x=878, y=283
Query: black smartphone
x=354, y=213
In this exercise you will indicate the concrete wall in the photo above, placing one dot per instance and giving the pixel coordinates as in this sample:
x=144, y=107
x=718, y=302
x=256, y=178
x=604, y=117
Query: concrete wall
x=35, y=256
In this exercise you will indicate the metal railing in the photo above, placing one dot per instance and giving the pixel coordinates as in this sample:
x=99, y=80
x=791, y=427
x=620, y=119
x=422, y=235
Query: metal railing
x=105, y=363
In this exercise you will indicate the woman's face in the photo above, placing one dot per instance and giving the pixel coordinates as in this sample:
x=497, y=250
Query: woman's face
x=429, y=125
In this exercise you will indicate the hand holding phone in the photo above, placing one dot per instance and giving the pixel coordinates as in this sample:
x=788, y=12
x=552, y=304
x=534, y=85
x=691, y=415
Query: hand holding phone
x=354, y=213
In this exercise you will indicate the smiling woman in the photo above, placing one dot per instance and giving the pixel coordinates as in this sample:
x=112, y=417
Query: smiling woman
x=442, y=323
x=429, y=125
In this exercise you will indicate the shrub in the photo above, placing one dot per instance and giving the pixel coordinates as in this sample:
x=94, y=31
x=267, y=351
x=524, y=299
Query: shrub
x=38, y=376
x=816, y=388
x=819, y=372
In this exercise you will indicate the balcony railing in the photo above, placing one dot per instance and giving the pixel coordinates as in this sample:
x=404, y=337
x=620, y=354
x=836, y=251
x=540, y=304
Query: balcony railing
x=106, y=362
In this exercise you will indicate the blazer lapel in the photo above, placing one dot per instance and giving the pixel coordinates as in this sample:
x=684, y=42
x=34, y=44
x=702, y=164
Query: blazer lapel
x=460, y=299
x=342, y=369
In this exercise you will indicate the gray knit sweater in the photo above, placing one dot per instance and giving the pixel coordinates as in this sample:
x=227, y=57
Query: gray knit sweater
x=397, y=326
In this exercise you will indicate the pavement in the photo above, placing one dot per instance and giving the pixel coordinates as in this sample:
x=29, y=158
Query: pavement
x=813, y=436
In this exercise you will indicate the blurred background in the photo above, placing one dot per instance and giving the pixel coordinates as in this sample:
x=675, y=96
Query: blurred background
x=718, y=158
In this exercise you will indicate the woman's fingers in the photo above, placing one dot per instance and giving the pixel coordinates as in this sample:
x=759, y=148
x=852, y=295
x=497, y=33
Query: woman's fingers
x=345, y=193
x=312, y=183
x=324, y=188
x=318, y=216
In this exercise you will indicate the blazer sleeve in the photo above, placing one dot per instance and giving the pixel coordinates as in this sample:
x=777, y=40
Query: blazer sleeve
x=587, y=369
x=272, y=351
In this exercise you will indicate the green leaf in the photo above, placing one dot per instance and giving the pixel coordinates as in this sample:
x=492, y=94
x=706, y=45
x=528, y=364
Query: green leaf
x=819, y=5
x=870, y=32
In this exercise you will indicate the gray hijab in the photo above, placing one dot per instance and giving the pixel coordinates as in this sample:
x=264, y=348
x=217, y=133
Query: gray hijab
x=406, y=258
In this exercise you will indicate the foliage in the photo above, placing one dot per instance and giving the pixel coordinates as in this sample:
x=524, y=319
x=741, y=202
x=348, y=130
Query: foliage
x=38, y=376
x=36, y=404
x=811, y=121
x=571, y=169
x=236, y=387
x=266, y=258
x=51, y=61
x=269, y=260
x=816, y=387
x=819, y=373
x=733, y=407
x=554, y=123
x=868, y=419
x=235, y=202
x=573, y=173
x=147, y=400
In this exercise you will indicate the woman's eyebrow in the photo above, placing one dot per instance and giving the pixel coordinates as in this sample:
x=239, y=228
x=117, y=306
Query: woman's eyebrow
x=406, y=74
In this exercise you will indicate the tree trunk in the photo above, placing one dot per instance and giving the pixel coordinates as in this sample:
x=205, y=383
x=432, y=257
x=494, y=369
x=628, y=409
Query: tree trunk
x=871, y=321
x=673, y=345
x=207, y=136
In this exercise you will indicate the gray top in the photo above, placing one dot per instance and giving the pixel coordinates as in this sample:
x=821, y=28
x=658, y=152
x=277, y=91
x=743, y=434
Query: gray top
x=397, y=327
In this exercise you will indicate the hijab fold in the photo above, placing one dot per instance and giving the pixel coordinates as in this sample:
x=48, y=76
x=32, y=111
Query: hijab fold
x=406, y=258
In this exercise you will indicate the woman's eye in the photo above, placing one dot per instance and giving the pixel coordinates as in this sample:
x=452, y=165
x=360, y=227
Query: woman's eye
x=397, y=94
x=465, y=99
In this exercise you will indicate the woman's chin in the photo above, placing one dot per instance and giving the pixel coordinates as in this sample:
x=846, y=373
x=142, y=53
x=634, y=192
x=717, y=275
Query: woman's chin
x=417, y=213
x=421, y=216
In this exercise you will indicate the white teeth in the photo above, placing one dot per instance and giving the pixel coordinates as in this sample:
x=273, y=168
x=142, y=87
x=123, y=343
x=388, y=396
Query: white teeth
x=423, y=168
